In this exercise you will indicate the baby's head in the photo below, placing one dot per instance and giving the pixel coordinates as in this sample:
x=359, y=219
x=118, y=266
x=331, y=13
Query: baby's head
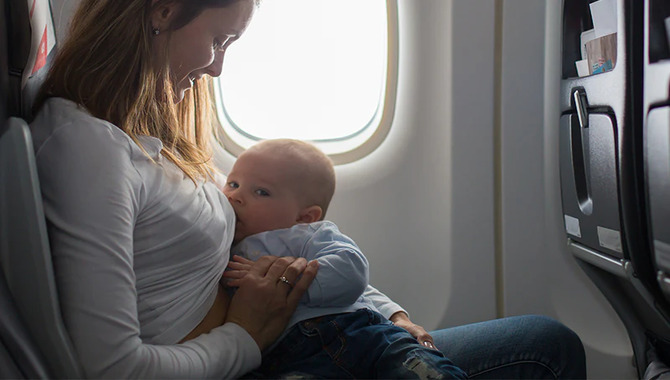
x=277, y=184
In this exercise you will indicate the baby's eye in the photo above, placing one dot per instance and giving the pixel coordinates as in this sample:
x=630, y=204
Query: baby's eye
x=262, y=193
x=233, y=185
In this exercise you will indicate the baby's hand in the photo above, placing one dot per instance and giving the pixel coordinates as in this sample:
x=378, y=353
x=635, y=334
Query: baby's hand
x=238, y=267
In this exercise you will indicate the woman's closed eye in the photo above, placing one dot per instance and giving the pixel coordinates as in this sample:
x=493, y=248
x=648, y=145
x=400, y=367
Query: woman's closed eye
x=221, y=44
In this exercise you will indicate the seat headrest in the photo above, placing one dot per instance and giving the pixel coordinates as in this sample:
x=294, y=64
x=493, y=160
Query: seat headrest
x=31, y=46
x=43, y=38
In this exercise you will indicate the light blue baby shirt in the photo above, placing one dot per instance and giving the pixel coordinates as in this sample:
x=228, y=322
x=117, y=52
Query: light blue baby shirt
x=343, y=275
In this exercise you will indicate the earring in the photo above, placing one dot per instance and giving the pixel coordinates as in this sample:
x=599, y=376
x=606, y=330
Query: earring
x=155, y=31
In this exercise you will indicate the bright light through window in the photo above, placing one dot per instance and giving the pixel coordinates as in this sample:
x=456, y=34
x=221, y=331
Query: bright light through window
x=308, y=69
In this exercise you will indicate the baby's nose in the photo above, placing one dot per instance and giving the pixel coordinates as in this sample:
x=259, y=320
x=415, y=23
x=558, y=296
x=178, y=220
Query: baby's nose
x=232, y=198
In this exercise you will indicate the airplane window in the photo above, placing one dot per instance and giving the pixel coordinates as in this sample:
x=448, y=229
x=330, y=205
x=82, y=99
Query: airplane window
x=318, y=70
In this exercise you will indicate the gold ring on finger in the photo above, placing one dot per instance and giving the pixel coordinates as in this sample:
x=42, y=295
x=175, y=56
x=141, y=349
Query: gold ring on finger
x=285, y=281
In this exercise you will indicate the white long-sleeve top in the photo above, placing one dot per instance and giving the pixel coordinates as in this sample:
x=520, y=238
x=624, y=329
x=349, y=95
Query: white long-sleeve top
x=138, y=250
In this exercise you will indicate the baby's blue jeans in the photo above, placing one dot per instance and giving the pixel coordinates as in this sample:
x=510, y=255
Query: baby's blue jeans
x=361, y=345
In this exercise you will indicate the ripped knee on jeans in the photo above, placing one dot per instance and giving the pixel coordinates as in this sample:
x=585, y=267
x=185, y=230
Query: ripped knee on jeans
x=422, y=369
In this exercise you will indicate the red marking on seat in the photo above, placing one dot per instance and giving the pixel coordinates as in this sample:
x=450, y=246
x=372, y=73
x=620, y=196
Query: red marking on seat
x=41, y=58
x=32, y=8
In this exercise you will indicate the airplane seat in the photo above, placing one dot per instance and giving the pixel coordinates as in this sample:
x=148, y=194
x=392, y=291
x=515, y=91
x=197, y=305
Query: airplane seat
x=656, y=137
x=602, y=178
x=34, y=342
x=31, y=47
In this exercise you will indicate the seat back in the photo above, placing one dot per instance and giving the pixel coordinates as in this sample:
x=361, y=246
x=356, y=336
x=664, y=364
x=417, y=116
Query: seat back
x=32, y=332
x=19, y=355
x=656, y=135
x=24, y=251
x=602, y=179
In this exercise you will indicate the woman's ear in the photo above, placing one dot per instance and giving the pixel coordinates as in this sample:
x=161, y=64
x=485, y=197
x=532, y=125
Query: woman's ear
x=162, y=14
x=310, y=214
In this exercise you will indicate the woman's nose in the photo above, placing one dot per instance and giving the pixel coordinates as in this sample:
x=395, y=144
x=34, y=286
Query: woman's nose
x=215, y=68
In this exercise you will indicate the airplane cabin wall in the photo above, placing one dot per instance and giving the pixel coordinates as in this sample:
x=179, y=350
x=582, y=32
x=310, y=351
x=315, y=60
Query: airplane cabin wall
x=421, y=205
x=459, y=209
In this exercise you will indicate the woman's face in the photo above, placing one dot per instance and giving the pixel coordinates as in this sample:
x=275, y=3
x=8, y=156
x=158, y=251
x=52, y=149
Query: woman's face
x=198, y=47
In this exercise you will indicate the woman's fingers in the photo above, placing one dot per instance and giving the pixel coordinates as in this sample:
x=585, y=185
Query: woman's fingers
x=272, y=266
x=263, y=264
x=302, y=284
x=284, y=271
x=290, y=274
x=401, y=319
x=240, y=267
x=421, y=335
x=426, y=339
x=279, y=266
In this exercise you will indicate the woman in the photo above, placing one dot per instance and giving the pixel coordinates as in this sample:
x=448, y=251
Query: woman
x=139, y=231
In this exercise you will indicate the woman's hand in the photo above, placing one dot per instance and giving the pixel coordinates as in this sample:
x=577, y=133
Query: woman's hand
x=263, y=304
x=401, y=319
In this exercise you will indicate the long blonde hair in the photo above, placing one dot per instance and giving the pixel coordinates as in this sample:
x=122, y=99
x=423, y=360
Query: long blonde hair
x=106, y=65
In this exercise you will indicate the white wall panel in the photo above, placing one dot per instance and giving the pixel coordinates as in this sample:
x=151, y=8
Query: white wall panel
x=421, y=205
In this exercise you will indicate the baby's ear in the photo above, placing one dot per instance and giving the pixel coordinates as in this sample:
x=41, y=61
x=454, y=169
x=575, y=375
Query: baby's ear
x=310, y=214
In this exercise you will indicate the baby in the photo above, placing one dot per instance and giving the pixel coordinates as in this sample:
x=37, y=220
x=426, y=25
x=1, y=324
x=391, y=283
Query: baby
x=280, y=191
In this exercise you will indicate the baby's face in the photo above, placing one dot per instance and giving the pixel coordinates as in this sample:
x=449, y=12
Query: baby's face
x=261, y=190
